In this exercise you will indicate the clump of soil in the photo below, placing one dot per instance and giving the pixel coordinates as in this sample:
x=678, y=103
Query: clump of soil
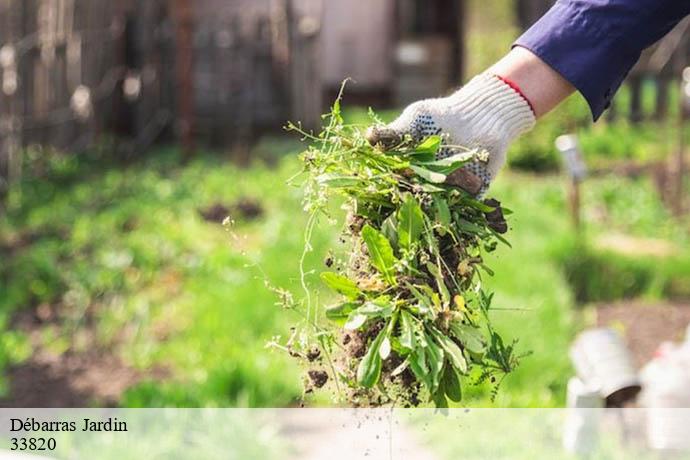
x=313, y=354
x=646, y=326
x=355, y=344
x=70, y=380
x=318, y=378
x=215, y=213
x=245, y=209
x=91, y=374
x=495, y=218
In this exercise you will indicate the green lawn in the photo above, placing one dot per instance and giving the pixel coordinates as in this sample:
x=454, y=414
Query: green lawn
x=127, y=248
x=125, y=252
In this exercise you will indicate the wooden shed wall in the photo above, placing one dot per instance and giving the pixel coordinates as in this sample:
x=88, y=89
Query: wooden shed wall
x=359, y=42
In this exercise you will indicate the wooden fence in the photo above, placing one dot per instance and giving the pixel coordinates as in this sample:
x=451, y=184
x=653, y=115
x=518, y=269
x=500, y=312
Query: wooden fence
x=662, y=65
x=256, y=65
x=69, y=73
x=219, y=71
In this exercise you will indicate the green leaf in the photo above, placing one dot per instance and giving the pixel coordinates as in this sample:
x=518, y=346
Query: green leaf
x=427, y=174
x=380, y=252
x=462, y=157
x=355, y=320
x=478, y=205
x=389, y=228
x=501, y=239
x=442, y=211
x=424, y=299
x=440, y=400
x=434, y=356
x=430, y=145
x=488, y=270
x=468, y=227
x=451, y=384
x=341, y=284
x=375, y=309
x=421, y=157
x=419, y=367
x=341, y=311
x=385, y=349
x=339, y=180
x=410, y=222
x=429, y=188
x=442, y=288
x=453, y=352
x=470, y=337
x=449, y=164
x=369, y=369
x=406, y=330
x=401, y=368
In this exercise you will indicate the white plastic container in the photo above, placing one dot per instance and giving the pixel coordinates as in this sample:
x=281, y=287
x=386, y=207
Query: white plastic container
x=581, y=428
x=603, y=363
x=666, y=382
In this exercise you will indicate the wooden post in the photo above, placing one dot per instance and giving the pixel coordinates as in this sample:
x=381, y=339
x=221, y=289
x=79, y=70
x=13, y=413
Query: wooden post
x=304, y=26
x=11, y=111
x=575, y=204
x=459, y=36
x=184, y=39
x=612, y=112
x=635, y=84
x=568, y=146
x=679, y=166
x=662, y=95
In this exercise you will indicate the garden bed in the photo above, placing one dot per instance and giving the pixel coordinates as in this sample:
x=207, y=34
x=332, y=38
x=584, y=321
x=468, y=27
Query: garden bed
x=646, y=326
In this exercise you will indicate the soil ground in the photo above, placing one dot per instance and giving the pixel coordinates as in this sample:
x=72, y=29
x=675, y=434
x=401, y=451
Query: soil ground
x=94, y=377
x=646, y=326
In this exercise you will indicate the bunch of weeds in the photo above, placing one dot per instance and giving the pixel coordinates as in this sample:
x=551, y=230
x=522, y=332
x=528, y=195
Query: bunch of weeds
x=412, y=321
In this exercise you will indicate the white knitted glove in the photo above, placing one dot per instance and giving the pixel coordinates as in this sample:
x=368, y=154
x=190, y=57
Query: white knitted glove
x=486, y=114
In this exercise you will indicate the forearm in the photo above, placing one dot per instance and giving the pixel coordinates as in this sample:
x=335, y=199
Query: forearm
x=542, y=86
x=593, y=44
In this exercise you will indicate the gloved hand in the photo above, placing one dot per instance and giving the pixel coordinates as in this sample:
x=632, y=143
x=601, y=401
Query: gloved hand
x=486, y=114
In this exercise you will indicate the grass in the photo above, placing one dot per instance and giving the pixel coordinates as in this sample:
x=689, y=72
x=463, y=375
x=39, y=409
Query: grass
x=528, y=279
x=125, y=251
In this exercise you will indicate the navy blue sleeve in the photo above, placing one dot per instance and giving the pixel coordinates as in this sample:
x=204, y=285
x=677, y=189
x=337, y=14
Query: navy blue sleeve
x=595, y=43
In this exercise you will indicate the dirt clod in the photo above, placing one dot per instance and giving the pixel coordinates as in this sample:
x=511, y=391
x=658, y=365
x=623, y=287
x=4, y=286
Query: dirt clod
x=313, y=354
x=495, y=218
x=465, y=180
x=645, y=326
x=383, y=137
x=248, y=208
x=356, y=344
x=215, y=213
x=318, y=378
x=244, y=208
